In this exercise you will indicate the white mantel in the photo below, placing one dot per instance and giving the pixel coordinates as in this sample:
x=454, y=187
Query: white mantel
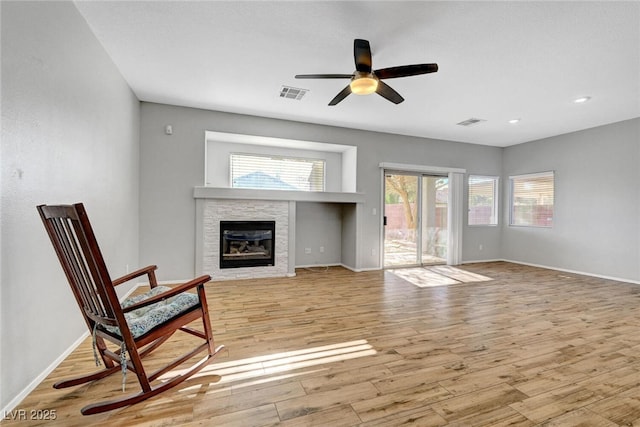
x=296, y=196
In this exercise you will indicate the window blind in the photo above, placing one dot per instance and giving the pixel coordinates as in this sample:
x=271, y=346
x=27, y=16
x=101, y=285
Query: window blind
x=483, y=200
x=276, y=172
x=532, y=199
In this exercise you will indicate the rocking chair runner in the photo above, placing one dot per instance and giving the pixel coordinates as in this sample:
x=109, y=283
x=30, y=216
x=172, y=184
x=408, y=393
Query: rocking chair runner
x=137, y=326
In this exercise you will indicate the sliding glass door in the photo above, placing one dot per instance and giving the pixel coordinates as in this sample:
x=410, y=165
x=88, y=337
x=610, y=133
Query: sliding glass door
x=435, y=194
x=415, y=219
x=400, y=219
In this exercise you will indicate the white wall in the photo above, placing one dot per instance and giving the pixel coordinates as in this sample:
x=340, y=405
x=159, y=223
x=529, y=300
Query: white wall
x=70, y=130
x=172, y=165
x=596, y=224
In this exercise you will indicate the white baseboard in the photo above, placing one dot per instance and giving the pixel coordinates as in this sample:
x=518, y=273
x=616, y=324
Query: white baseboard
x=13, y=403
x=599, y=276
x=480, y=261
x=361, y=270
x=318, y=265
x=548, y=267
x=355, y=270
x=583, y=273
x=37, y=380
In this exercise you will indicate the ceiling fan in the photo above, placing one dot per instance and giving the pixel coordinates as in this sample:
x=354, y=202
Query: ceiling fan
x=365, y=81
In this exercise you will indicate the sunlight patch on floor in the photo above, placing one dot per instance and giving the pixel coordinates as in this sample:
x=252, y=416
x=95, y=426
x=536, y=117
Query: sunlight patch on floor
x=263, y=368
x=440, y=275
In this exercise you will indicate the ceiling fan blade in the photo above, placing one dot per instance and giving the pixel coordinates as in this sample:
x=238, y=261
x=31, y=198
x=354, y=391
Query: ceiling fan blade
x=342, y=95
x=362, y=55
x=324, y=76
x=386, y=91
x=405, y=71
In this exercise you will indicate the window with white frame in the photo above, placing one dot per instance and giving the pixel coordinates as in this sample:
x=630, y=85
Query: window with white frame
x=532, y=199
x=483, y=200
x=276, y=172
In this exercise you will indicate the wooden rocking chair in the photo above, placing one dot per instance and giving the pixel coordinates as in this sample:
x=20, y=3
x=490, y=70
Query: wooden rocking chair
x=137, y=326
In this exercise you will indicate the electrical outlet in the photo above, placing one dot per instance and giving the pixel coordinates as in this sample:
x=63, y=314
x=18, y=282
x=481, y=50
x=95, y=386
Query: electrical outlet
x=480, y=247
x=307, y=251
x=321, y=249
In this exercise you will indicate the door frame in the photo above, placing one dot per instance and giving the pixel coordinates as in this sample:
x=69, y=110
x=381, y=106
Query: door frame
x=418, y=219
x=455, y=205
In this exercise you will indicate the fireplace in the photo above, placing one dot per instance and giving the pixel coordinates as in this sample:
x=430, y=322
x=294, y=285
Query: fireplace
x=247, y=243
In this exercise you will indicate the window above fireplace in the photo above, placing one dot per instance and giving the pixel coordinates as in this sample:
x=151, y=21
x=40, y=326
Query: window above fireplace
x=270, y=172
x=338, y=162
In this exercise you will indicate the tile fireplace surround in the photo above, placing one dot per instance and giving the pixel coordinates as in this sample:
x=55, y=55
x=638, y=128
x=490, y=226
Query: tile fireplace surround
x=225, y=204
x=216, y=210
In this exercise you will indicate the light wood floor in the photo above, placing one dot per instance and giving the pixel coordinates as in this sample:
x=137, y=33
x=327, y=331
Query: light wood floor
x=525, y=347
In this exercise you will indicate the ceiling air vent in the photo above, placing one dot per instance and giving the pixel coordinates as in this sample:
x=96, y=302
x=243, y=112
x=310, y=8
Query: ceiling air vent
x=470, y=122
x=292, y=92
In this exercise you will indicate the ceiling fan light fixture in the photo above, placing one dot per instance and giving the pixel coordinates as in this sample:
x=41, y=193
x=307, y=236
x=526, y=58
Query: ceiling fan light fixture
x=364, y=85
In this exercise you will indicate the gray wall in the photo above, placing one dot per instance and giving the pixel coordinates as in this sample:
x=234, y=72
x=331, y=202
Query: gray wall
x=318, y=225
x=596, y=226
x=172, y=165
x=70, y=130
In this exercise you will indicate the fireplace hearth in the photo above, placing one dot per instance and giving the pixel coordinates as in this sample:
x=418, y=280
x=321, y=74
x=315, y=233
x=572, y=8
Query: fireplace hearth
x=247, y=243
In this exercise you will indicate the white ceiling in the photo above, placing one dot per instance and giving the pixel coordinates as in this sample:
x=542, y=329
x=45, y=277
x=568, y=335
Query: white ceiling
x=498, y=61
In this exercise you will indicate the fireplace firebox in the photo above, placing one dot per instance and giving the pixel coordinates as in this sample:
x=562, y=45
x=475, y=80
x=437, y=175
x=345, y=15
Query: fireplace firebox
x=247, y=243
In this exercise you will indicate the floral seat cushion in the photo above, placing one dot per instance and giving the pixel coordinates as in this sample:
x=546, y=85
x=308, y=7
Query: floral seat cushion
x=144, y=319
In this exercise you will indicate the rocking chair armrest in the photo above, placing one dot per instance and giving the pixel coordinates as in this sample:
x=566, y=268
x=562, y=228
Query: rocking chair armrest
x=101, y=320
x=148, y=270
x=198, y=281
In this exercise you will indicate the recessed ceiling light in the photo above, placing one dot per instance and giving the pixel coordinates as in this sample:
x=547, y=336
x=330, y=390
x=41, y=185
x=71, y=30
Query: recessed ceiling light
x=514, y=121
x=581, y=99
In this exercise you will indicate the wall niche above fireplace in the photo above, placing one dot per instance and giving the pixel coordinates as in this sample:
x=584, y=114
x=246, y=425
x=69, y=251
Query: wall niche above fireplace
x=247, y=243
